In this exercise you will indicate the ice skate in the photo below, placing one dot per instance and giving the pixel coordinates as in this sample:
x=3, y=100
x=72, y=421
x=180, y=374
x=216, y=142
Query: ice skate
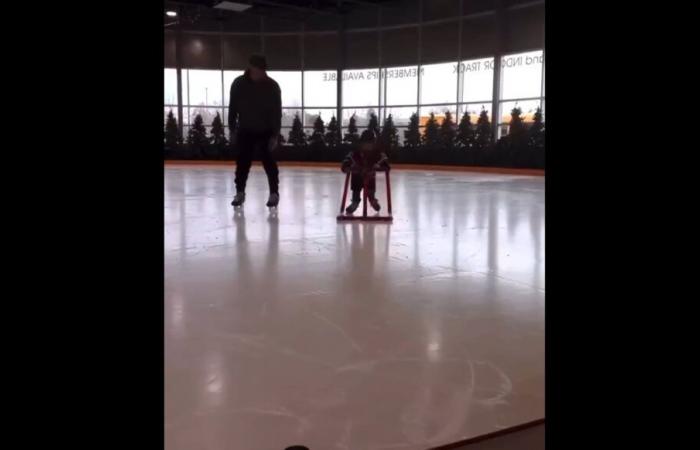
x=352, y=207
x=273, y=200
x=238, y=200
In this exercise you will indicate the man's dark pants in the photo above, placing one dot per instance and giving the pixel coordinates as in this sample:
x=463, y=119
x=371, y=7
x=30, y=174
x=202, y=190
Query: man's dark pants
x=248, y=143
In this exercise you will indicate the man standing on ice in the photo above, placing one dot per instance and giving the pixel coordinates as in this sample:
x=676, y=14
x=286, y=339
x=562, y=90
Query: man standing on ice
x=254, y=120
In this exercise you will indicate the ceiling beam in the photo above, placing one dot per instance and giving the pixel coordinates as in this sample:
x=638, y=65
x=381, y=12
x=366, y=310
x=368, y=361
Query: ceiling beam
x=359, y=2
x=222, y=14
x=301, y=9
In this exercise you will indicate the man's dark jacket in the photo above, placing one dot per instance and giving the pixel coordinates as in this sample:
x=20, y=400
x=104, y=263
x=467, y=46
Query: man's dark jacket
x=256, y=105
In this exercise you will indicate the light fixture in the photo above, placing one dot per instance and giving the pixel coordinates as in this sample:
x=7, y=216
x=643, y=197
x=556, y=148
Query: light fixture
x=171, y=13
x=232, y=6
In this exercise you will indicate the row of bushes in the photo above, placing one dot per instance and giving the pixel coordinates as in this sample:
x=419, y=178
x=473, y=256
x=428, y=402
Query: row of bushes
x=465, y=143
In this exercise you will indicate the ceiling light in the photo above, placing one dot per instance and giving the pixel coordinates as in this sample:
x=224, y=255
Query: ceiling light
x=232, y=6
